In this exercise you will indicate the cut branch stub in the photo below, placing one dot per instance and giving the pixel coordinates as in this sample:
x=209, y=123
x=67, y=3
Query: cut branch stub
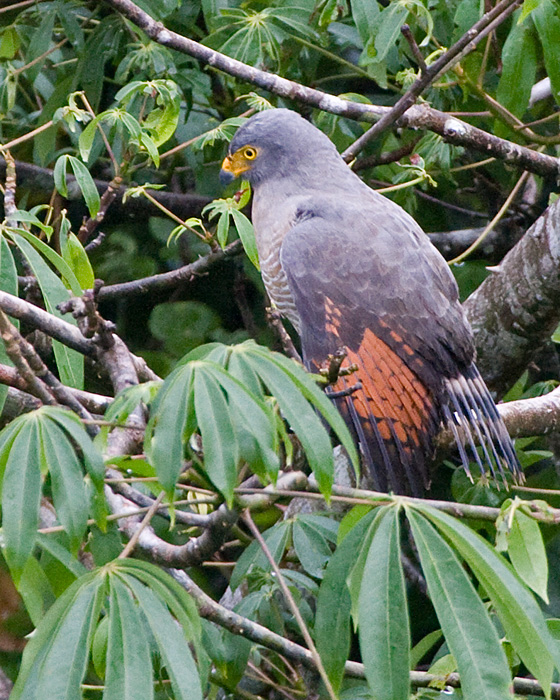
x=516, y=309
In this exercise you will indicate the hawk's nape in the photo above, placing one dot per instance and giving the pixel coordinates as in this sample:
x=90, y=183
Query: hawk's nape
x=354, y=272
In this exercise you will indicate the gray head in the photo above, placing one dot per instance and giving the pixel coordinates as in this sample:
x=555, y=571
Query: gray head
x=278, y=143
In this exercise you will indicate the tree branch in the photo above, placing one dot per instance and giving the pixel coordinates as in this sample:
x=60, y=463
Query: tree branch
x=239, y=625
x=466, y=44
x=184, y=205
x=516, y=309
x=424, y=117
x=169, y=280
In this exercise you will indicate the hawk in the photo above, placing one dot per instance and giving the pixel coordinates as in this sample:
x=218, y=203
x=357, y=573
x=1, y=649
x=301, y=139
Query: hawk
x=353, y=271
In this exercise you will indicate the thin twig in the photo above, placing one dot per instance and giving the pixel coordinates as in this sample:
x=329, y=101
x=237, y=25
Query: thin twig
x=40, y=58
x=291, y=604
x=18, y=5
x=407, y=33
x=145, y=522
x=274, y=320
x=172, y=279
x=107, y=198
x=503, y=209
x=26, y=137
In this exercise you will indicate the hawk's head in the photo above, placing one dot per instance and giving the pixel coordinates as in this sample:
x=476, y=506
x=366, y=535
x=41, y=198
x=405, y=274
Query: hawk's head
x=276, y=143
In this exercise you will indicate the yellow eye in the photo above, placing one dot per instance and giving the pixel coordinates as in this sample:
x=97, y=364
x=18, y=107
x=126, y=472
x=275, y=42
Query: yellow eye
x=250, y=153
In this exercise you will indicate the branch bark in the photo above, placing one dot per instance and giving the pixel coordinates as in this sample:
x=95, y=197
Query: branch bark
x=516, y=309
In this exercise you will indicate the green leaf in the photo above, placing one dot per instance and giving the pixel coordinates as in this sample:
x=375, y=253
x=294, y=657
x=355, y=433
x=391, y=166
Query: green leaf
x=85, y=142
x=528, y=7
x=253, y=557
x=9, y=43
x=519, y=57
x=311, y=548
x=69, y=362
x=75, y=256
x=8, y=283
x=166, y=428
x=171, y=643
x=55, y=660
x=332, y=620
x=67, y=481
x=61, y=554
x=218, y=436
x=21, y=494
x=527, y=553
x=420, y=650
x=366, y=18
x=468, y=630
x=388, y=31
x=518, y=611
x=546, y=19
x=35, y=590
x=128, y=669
x=83, y=179
x=247, y=235
x=383, y=613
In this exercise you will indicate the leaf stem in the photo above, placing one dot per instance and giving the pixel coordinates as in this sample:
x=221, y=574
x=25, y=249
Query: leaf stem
x=145, y=522
x=292, y=604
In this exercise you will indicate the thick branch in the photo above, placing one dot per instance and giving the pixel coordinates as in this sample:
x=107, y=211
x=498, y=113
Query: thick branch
x=516, y=309
x=62, y=330
x=417, y=117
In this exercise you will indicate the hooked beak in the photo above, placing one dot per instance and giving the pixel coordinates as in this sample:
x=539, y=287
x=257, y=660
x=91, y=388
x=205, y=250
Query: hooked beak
x=227, y=173
x=232, y=167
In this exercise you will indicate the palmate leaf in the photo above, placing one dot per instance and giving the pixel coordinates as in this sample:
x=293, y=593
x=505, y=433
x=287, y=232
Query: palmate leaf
x=297, y=395
x=32, y=445
x=144, y=605
x=234, y=426
x=468, y=630
x=518, y=611
x=54, y=661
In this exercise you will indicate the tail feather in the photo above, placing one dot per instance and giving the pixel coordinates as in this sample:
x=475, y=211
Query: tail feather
x=471, y=411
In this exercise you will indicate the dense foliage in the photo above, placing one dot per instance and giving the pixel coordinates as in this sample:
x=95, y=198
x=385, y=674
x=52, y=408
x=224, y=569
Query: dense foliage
x=146, y=399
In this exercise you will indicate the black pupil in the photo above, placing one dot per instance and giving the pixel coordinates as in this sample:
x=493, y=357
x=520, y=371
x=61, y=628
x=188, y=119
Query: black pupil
x=249, y=153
